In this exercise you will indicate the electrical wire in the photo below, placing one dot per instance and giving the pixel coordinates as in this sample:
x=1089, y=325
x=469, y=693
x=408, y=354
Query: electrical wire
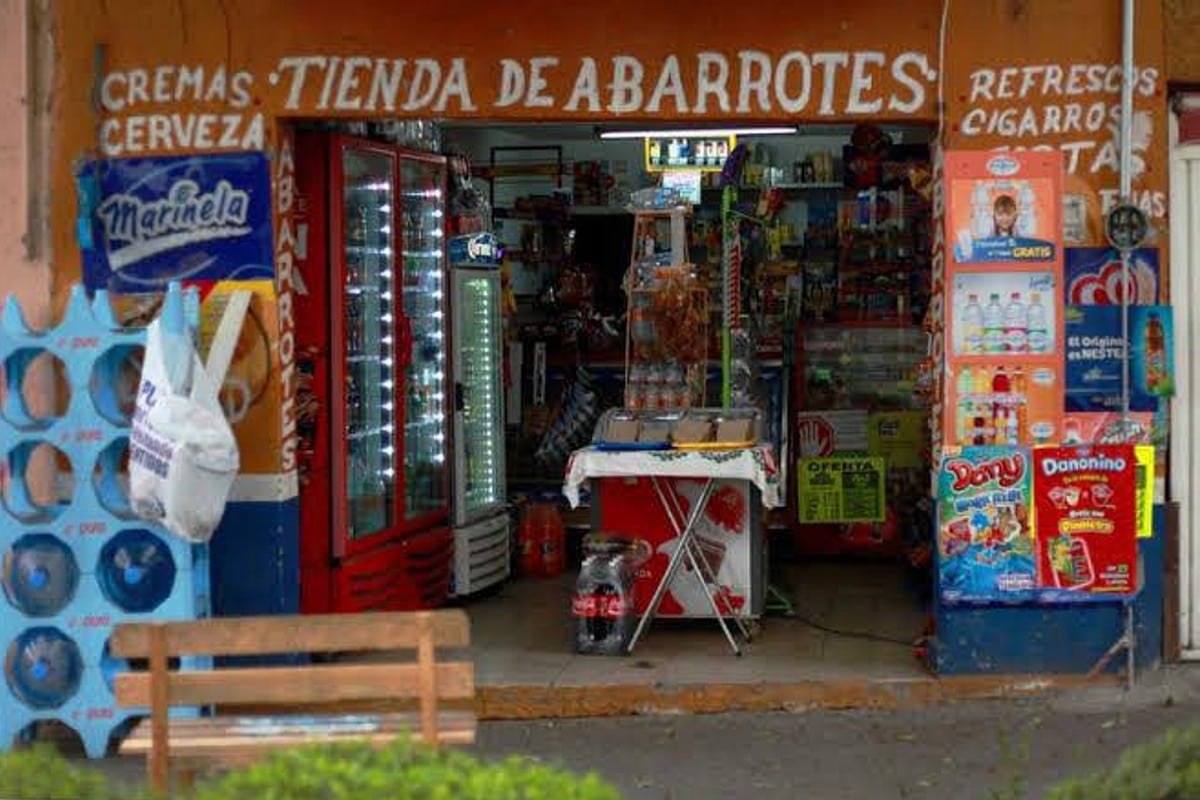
x=866, y=635
x=941, y=79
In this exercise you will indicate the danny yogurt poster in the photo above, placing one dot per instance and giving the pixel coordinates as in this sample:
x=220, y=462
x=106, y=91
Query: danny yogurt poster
x=985, y=544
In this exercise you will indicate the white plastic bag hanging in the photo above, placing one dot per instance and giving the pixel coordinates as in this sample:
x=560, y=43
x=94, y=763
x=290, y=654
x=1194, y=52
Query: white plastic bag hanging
x=183, y=457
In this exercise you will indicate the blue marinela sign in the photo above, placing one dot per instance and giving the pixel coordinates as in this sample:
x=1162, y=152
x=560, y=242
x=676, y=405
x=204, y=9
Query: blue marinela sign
x=145, y=222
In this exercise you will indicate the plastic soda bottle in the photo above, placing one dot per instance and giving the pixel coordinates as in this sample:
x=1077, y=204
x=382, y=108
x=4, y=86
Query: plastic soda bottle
x=1155, y=354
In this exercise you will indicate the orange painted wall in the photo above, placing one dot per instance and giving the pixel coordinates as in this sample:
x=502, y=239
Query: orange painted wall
x=1058, y=90
x=27, y=278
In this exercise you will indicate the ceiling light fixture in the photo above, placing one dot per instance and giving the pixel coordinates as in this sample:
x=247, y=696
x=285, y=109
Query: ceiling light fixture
x=696, y=132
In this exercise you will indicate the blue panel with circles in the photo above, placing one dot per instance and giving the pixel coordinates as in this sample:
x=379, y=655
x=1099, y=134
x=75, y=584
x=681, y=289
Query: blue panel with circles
x=74, y=560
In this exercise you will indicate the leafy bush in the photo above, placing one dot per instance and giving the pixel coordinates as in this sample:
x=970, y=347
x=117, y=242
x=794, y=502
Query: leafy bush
x=1167, y=768
x=401, y=771
x=40, y=773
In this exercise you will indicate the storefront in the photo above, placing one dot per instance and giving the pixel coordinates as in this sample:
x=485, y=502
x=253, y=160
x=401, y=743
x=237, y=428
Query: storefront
x=537, y=85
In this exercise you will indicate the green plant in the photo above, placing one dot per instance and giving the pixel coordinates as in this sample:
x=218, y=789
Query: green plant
x=1014, y=758
x=40, y=773
x=1167, y=768
x=401, y=771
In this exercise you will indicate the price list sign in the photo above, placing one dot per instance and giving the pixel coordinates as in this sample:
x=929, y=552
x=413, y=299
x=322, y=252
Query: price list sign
x=842, y=489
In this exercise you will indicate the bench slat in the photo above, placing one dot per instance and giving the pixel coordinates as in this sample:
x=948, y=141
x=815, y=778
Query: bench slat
x=319, y=683
x=220, y=737
x=318, y=633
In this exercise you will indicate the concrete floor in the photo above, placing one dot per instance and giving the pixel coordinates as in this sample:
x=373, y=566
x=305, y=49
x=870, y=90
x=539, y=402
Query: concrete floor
x=523, y=636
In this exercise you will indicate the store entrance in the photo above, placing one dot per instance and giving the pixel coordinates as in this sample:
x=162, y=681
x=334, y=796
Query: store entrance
x=832, y=229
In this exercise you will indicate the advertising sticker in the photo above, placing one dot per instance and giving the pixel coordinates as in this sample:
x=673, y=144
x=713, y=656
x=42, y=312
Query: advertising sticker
x=1145, y=490
x=842, y=489
x=1002, y=212
x=985, y=544
x=1108, y=427
x=899, y=436
x=1096, y=357
x=1086, y=518
x=1094, y=277
x=145, y=222
x=823, y=433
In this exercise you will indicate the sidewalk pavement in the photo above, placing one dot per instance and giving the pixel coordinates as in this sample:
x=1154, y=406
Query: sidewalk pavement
x=997, y=749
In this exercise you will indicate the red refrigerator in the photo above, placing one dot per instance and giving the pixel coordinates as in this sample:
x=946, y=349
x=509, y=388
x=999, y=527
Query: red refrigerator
x=374, y=495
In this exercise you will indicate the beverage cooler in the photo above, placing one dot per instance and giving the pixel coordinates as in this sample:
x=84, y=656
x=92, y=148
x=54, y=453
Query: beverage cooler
x=371, y=354
x=481, y=536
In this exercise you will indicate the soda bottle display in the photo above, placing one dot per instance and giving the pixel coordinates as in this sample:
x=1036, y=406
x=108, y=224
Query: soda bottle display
x=136, y=571
x=1155, y=355
x=1016, y=336
x=40, y=575
x=1037, y=326
x=993, y=325
x=43, y=668
x=972, y=327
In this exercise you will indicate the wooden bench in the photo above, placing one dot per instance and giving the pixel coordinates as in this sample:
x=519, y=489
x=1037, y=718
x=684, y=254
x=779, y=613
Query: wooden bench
x=185, y=745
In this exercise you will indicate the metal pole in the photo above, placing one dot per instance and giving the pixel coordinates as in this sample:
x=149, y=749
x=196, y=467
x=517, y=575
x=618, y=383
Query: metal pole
x=1127, y=82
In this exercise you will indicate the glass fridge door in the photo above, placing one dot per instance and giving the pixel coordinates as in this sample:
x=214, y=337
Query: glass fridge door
x=369, y=330
x=422, y=207
x=478, y=445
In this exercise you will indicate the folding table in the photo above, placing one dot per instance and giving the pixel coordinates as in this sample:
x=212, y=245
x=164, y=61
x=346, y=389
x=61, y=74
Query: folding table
x=755, y=465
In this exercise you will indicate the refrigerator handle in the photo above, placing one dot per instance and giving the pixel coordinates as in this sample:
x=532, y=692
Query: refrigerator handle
x=404, y=338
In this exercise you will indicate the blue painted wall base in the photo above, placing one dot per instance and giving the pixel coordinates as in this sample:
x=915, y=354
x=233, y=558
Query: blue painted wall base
x=256, y=566
x=255, y=560
x=1053, y=639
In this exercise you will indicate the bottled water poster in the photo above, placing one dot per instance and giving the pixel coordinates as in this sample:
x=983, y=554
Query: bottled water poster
x=1002, y=313
x=1086, y=519
x=985, y=543
x=1003, y=300
x=1004, y=207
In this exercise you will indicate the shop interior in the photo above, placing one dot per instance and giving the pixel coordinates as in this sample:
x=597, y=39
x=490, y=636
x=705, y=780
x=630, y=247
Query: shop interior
x=833, y=242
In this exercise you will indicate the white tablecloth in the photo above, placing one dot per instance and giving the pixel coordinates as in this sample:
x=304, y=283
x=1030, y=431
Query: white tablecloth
x=754, y=464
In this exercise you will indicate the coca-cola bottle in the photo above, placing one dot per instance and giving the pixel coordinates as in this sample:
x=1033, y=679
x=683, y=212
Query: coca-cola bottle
x=603, y=605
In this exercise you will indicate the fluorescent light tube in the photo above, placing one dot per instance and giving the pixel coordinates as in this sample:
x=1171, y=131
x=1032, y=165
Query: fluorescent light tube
x=660, y=134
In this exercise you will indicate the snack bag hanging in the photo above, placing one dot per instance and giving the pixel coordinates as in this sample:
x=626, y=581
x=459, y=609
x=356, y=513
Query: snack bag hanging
x=183, y=457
